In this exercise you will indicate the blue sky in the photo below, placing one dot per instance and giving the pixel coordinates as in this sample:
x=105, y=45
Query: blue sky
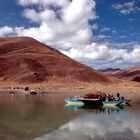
x=101, y=33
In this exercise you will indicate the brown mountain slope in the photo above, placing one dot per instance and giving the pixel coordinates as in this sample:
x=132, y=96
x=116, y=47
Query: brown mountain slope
x=25, y=60
x=132, y=73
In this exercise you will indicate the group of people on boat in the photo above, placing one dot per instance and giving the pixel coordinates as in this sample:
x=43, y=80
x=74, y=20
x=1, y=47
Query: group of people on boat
x=112, y=98
x=102, y=96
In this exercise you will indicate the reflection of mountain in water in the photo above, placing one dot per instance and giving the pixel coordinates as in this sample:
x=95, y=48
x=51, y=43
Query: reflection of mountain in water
x=94, y=126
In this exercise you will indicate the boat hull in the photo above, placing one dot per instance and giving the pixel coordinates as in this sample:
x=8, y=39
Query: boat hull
x=125, y=102
x=111, y=103
x=92, y=102
x=73, y=101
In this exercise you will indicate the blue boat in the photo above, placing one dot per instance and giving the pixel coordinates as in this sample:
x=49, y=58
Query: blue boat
x=124, y=102
x=93, y=102
x=111, y=103
x=73, y=101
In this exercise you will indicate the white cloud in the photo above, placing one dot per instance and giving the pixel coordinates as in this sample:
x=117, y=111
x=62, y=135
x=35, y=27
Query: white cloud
x=95, y=52
x=134, y=55
x=68, y=30
x=6, y=30
x=126, y=8
x=43, y=2
x=101, y=36
x=65, y=27
x=104, y=29
x=43, y=16
x=79, y=10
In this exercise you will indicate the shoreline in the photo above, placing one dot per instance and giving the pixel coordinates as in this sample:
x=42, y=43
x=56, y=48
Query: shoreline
x=135, y=97
x=66, y=91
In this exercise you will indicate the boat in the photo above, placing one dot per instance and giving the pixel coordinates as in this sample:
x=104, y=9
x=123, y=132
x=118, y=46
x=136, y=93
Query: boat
x=111, y=103
x=93, y=102
x=73, y=101
x=124, y=101
x=95, y=99
x=86, y=101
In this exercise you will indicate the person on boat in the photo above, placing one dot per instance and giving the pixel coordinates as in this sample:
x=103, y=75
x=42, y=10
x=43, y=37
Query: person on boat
x=112, y=98
x=107, y=97
x=118, y=97
x=75, y=97
x=123, y=98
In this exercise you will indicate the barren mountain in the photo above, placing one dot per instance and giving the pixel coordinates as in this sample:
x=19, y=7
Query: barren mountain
x=25, y=60
x=132, y=73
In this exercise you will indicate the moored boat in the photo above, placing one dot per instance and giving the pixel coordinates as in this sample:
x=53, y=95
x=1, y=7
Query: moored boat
x=124, y=101
x=93, y=102
x=111, y=103
x=73, y=101
x=97, y=99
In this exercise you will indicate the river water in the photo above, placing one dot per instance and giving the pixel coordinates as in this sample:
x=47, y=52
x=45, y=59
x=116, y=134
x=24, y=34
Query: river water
x=46, y=117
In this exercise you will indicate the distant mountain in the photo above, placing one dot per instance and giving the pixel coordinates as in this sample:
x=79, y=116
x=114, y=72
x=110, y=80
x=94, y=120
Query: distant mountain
x=131, y=73
x=109, y=69
x=25, y=60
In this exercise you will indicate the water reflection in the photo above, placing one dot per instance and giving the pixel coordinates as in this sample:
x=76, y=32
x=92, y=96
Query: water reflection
x=95, y=109
x=45, y=116
x=27, y=117
x=94, y=126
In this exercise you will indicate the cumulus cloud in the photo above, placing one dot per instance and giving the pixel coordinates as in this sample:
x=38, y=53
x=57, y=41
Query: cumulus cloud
x=101, y=55
x=64, y=25
x=43, y=2
x=6, y=30
x=95, y=52
x=134, y=55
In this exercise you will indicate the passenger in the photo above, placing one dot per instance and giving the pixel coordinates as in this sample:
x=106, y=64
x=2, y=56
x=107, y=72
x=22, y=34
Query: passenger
x=107, y=97
x=75, y=97
x=112, y=98
x=118, y=97
x=123, y=98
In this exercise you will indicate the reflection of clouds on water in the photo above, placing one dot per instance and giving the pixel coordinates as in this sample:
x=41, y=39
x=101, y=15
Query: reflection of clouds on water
x=92, y=126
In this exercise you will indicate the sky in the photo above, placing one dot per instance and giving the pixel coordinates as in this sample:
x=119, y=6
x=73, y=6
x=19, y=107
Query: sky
x=101, y=33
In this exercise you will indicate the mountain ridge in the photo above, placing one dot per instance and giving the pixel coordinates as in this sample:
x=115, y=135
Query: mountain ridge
x=26, y=60
x=130, y=73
